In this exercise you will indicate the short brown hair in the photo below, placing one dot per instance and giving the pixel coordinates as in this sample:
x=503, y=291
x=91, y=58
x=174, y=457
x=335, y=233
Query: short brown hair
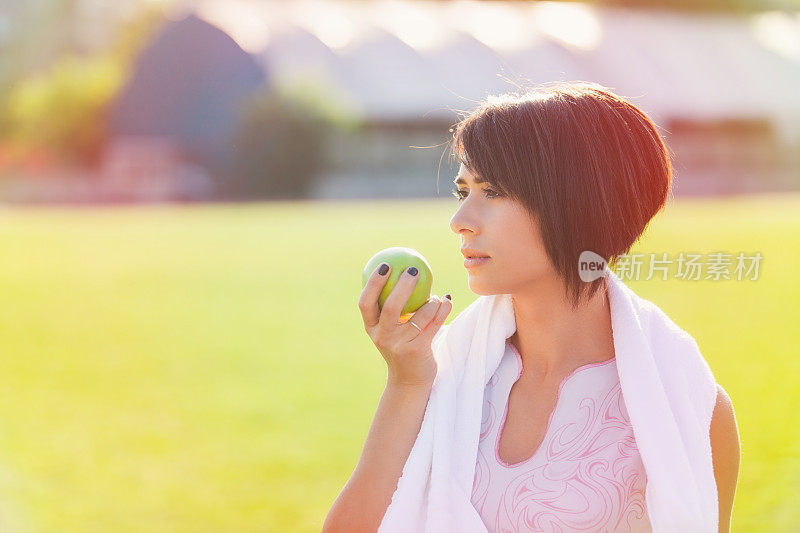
x=587, y=164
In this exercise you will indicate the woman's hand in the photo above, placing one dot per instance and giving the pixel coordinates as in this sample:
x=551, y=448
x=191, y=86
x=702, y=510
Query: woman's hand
x=406, y=349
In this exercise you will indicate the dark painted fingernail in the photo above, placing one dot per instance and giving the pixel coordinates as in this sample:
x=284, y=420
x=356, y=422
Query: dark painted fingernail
x=384, y=269
x=448, y=297
x=413, y=271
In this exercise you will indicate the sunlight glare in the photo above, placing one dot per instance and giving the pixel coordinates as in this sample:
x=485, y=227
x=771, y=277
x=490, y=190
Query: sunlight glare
x=500, y=27
x=328, y=22
x=574, y=24
x=417, y=25
x=779, y=32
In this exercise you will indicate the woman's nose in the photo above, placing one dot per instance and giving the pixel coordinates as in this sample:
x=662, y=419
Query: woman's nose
x=461, y=222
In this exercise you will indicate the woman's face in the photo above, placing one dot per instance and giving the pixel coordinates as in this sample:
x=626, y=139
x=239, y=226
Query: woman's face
x=501, y=228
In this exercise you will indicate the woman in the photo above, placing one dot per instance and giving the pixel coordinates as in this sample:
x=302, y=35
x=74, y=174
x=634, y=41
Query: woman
x=544, y=176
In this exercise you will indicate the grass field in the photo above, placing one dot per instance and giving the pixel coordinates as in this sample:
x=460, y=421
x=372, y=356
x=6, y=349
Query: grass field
x=205, y=369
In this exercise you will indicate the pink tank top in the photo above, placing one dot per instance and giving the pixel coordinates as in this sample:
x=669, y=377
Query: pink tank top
x=586, y=475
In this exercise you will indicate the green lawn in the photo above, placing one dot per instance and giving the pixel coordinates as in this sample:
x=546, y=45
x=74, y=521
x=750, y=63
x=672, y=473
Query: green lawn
x=205, y=369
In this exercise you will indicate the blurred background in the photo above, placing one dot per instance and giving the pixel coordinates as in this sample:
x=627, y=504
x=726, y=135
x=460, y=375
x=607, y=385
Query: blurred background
x=189, y=191
x=143, y=101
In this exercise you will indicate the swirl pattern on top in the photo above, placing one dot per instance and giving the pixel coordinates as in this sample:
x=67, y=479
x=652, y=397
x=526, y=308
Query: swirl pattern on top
x=586, y=475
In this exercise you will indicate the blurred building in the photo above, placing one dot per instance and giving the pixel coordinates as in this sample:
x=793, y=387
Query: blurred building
x=180, y=108
x=724, y=88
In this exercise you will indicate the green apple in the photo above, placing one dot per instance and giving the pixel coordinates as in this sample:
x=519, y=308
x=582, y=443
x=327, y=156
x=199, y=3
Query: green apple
x=400, y=259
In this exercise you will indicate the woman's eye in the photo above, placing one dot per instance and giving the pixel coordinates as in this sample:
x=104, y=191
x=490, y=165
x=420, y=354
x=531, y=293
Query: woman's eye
x=489, y=193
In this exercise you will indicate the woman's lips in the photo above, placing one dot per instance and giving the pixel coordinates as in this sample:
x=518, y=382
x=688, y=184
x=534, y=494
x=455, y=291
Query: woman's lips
x=474, y=262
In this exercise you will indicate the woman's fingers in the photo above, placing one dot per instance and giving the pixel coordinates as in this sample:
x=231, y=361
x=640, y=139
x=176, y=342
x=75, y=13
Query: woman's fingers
x=425, y=337
x=368, y=302
x=393, y=306
x=422, y=317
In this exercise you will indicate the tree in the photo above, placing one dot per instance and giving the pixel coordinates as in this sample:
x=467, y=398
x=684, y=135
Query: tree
x=281, y=145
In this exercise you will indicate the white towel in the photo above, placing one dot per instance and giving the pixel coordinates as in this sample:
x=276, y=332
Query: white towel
x=668, y=388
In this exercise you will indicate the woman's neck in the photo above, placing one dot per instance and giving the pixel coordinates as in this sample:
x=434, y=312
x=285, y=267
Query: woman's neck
x=553, y=339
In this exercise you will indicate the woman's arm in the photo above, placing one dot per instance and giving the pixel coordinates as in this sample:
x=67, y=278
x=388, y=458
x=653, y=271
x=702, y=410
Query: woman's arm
x=726, y=452
x=363, y=501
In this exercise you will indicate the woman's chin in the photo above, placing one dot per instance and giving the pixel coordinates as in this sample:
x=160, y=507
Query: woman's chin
x=482, y=290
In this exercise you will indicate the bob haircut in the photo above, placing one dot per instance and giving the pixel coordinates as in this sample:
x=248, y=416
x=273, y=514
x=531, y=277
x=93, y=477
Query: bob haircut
x=586, y=164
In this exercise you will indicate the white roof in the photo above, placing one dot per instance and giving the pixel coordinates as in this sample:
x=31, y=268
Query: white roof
x=418, y=60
